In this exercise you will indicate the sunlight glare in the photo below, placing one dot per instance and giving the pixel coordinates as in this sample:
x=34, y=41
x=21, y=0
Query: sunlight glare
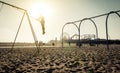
x=40, y=9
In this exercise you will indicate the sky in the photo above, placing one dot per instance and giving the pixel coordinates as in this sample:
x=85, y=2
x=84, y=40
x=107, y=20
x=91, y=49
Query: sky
x=56, y=14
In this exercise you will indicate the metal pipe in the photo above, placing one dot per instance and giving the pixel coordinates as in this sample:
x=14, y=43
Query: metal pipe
x=18, y=31
x=33, y=33
x=107, y=35
x=63, y=29
x=94, y=25
x=13, y=6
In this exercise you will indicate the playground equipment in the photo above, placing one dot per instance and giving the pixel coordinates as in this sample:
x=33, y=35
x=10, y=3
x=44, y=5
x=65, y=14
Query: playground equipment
x=90, y=18
x=31, y=27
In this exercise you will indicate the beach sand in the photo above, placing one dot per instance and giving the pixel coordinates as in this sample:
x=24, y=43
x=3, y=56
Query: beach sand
x=61, y=60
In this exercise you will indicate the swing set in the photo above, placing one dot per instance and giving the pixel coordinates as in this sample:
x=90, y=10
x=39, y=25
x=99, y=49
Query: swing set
x=25, y=12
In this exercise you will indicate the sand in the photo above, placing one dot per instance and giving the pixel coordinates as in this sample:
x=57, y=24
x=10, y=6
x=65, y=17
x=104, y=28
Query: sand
x=61, y=60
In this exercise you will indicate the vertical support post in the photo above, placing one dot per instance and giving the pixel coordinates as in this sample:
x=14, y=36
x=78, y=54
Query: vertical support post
x=17, y=31
x=107, y=31
x=79, y=33
x=62, y=37
x=79, y=43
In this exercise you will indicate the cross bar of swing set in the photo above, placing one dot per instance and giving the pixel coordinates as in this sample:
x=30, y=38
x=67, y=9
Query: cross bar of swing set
x=92, y=17
x=13, y=6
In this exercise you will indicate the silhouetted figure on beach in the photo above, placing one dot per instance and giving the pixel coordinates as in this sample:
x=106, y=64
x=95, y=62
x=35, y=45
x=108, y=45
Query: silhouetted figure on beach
x=53, y=44
x=42, y=21
x=69, y=43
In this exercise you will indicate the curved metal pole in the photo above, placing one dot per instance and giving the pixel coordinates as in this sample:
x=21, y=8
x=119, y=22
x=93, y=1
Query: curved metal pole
x=96, y=30
x=63, y=30
x=94, y=25
x=107, y=35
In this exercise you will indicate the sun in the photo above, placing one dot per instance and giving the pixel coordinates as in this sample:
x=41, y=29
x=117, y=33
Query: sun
x=39, y=9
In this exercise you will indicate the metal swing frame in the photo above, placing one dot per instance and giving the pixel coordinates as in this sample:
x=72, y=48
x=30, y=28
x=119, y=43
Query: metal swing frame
x=90, y=18
x=29, y=21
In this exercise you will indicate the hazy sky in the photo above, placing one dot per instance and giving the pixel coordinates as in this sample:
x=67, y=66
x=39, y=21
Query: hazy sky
x=58, y=12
